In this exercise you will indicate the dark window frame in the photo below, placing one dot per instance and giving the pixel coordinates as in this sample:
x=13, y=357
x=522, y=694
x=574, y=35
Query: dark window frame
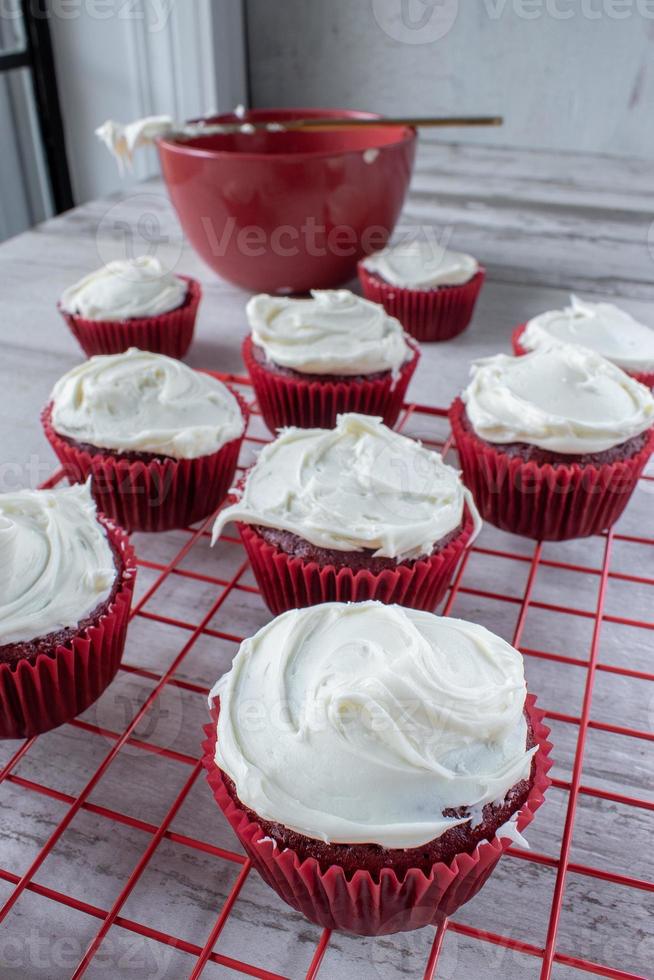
x=38, y=58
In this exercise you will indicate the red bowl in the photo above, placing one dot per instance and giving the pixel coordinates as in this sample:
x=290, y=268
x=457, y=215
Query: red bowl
x=289, y=211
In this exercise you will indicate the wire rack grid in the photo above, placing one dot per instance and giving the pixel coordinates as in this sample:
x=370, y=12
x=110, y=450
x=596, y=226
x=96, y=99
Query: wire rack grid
x=185, y=592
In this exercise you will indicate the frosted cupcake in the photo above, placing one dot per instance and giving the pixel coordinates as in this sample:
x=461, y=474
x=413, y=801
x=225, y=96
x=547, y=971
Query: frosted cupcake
x=132, y=303
x=602, y=327
x=67, y=582
x=407, y=758
x=552, y=444
x=312, y=359
x=351, y=513
x=431, y=290
x=160, y=440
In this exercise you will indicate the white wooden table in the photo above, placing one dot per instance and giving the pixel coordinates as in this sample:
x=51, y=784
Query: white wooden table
x=542, y=224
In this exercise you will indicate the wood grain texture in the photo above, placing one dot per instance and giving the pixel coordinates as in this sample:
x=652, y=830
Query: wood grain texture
x=565, y=76
x=542, y=223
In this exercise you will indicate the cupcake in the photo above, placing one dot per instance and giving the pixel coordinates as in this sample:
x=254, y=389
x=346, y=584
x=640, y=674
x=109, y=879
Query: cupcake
x=351, y=513
x=603, y=327
x=392, y=758
x=132, y=303
x=312, y=359
x=552, y=444
x=160, y=441
x=430, y=290
x=67, y=582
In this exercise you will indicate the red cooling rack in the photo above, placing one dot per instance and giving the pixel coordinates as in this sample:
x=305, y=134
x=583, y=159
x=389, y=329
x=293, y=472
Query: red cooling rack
x=202, y=951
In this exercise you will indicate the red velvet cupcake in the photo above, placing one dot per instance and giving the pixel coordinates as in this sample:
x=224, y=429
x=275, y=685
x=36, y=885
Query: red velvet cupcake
x=602, y=327
x=402, y=767
x=430, y=290
x=313, y=359
x=159, y=440
x=68, y=578
x=132, y=303
x=552, y=444
x=351, y=513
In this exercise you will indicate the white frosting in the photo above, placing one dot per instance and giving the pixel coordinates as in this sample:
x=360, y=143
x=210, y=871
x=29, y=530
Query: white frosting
x=361, y=723
x=334, y=332
x=124, y=289
x=421, y=265
x=510, y=830
x=562, y=398
x=56, y=564
x=603, y=327
x=121, y=140
x=144, y=402
x=359, y=485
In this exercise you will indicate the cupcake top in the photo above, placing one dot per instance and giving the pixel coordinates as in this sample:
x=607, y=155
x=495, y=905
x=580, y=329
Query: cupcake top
x=359, y=485
x=370, y=721
x=334, y=332
x=123, y=289
x=421, y=265
x=56, y=564
x=144, y=402
x=562, y=398
x=603, y=327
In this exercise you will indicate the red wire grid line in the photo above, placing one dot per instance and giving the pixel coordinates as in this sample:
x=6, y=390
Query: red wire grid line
x=204, y=951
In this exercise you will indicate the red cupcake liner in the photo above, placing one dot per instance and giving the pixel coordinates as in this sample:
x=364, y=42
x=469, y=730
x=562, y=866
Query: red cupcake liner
x=518, y=349
x=151, y=496
x=37, y=695
x=168, y=333
x=362, y=904
x=427, y=314
x=289, y=582
x=285, y=400
x=645, y=377
x=552, y=503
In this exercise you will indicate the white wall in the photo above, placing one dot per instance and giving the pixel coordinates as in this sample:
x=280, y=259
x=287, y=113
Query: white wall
x=566, y=74
x=130, y=59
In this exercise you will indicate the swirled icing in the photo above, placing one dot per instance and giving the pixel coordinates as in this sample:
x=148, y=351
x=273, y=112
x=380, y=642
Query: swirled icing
x=562, y=398
x=334, y=332
x=603, y=327
x=357, y=486
x=421, y=265
x=56, y=564
x=123, y=289
x=144, y=402
x=362, y=723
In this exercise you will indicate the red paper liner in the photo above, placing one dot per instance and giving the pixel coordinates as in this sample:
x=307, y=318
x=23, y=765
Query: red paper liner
x=518, y=349
x=289, y=582
x=362, y=904
x=285, y=400
x=427, y=314
x=38, y=695
x=645, y=377
x=169, y=333
x=151, y=496
x=542, y=501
